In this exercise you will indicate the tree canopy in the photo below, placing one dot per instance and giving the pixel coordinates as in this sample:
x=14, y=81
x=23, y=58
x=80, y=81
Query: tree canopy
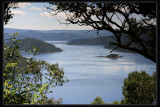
x=133, y=21
x=140, y=88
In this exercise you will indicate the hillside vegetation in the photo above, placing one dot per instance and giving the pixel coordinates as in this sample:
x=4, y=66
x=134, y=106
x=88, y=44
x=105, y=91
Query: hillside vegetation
x=93, y=41
x=27, y=44
x=105, y=40
x=102, y=40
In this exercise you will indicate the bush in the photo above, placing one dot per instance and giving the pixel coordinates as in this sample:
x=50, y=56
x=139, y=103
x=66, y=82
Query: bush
x=98, y=100
x=31, y=83
x=140, y=88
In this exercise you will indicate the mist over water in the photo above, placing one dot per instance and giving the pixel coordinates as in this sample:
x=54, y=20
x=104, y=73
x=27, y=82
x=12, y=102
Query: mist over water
x=90, y=76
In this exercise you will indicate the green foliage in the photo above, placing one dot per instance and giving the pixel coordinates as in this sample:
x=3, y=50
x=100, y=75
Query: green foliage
x=116, y=102
x=30, y=84
x=123, y=101
x=140, y=88
x=98, y=100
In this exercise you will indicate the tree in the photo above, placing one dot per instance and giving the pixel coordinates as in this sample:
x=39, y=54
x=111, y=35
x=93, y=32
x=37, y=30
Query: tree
x=140, y=88
x=98, y=100
x=116, y=102
x=118, y=18
x=28, y=84
x=26, y=80
x=7, y=12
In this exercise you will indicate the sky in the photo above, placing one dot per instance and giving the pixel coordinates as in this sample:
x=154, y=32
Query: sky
x=34, y=16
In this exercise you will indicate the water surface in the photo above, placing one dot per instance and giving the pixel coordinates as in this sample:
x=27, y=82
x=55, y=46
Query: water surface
x=90, y=76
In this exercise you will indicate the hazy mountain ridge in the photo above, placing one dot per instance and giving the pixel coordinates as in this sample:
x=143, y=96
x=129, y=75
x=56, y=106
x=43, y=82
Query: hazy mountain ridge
x=46, y=36
x=55, y=35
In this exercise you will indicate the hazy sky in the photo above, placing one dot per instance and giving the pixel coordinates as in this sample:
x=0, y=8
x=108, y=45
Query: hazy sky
x=32, y=15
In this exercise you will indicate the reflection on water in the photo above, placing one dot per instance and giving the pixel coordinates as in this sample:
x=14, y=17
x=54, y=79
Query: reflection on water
x=92, y=76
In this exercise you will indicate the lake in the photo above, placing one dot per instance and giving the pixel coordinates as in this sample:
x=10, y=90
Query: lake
x=90, y=76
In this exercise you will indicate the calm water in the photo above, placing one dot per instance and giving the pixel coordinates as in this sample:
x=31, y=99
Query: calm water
x=90, y=76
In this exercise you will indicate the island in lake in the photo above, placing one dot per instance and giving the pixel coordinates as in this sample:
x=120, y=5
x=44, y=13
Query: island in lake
x=102, y=40
x=113, y=56
x=26, y=45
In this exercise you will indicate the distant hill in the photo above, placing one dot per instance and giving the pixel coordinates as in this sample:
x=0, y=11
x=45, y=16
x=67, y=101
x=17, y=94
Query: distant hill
x=85, y=34
x=11, y=30
x=103, y=40
x=55, y=35
x=45, y=36
x=27, y=43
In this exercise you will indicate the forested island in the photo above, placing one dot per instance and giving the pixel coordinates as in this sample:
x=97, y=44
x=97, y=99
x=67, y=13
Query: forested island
x=26, y=45
x=102, y=40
